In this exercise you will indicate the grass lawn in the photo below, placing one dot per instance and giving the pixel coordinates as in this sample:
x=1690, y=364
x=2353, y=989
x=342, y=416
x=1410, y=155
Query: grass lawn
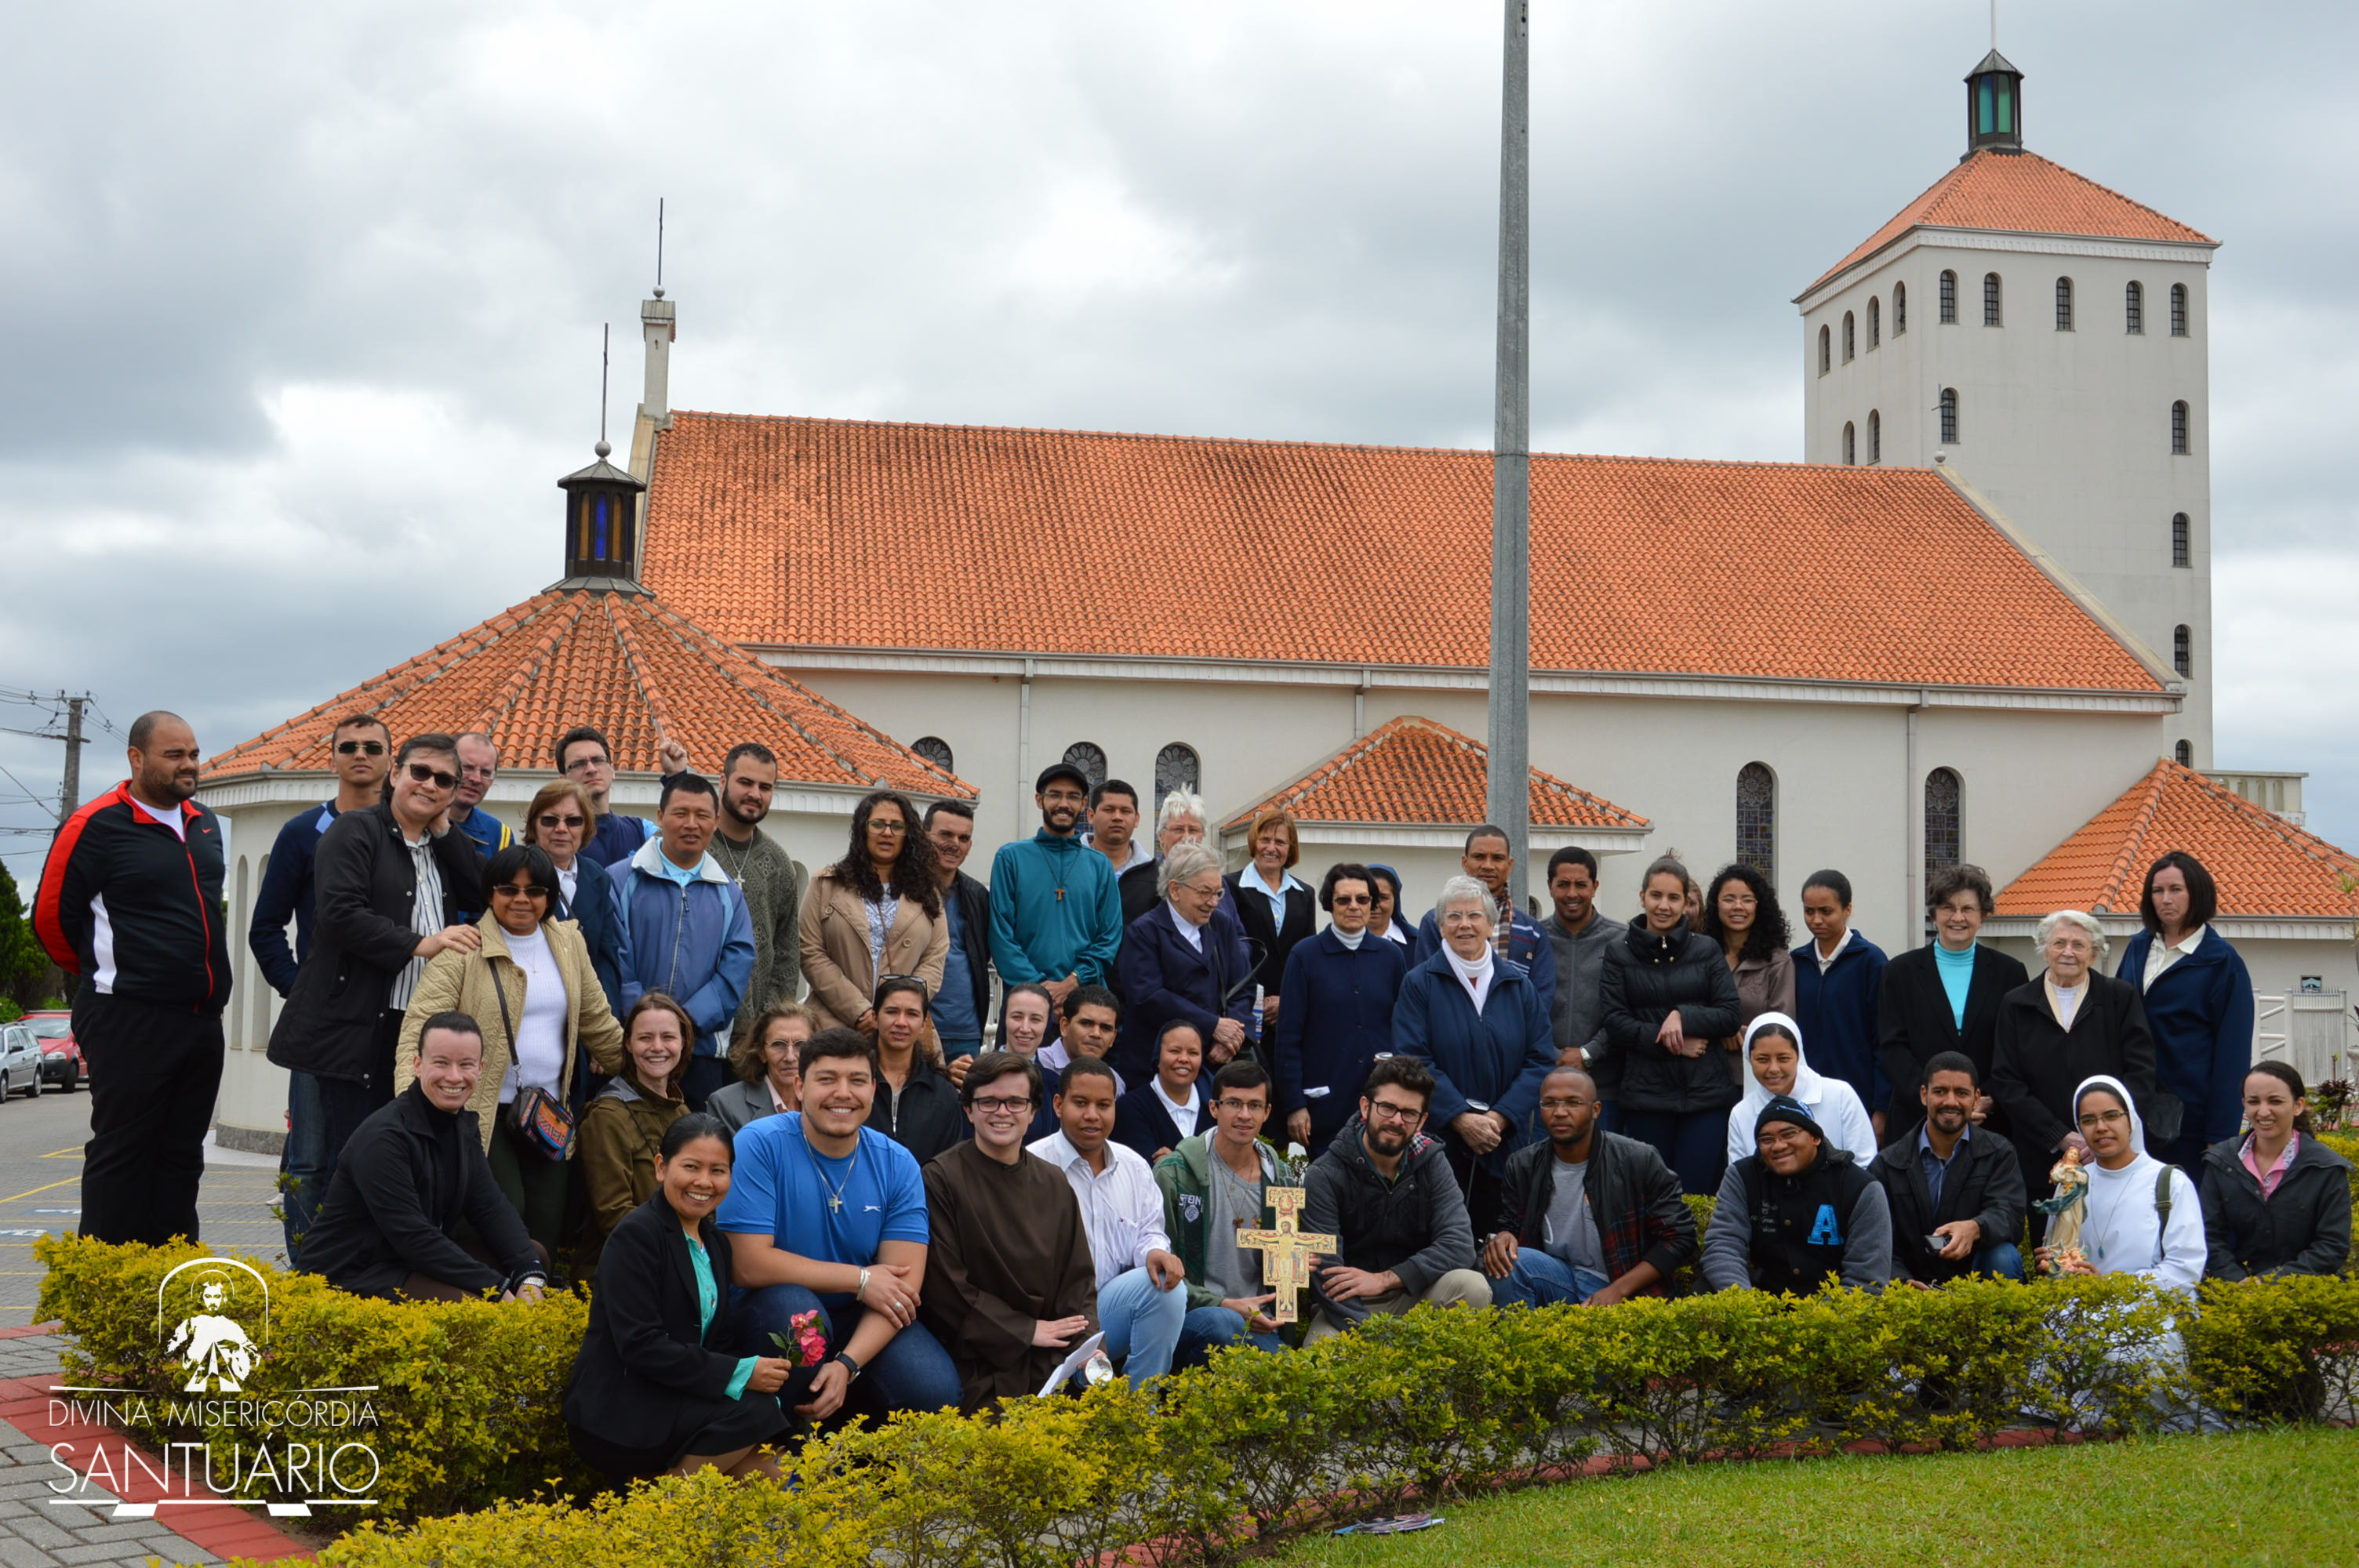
x=2279, y=1497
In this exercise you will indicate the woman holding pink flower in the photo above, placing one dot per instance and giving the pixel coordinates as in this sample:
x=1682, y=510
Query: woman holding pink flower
x=648, y=1369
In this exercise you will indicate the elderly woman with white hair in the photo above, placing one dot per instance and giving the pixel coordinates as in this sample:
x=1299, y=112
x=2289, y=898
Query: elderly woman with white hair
x=2070, y=1023
x=1184, y=959
x=1179, y=820
x=1478, y=1022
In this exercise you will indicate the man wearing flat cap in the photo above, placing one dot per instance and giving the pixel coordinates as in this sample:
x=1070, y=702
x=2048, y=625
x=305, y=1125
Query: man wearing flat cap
x=1056, y=908
x=1797, y=1212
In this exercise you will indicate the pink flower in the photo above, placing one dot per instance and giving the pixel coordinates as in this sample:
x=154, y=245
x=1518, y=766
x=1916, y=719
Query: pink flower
x=809, y=1339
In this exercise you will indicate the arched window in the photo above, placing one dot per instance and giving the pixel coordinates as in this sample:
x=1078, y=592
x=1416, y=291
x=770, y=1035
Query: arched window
x=1944, y=820
x=2134, y=309
x=1826, y=351
x=1850, y=345
x=2182, y=545
x=1874, y=436
x=1090, y=759
x=1990, y=301
x=2179, y=429
x=1851, y=443
x=2185, y=751
x=1874, y=324
x=1176, y=767
x=2179, y=310
x=2063, y=304
x=1949, y=299
x=935, y=750
x=1949, y=415
x=2182, y=650
x=1899, y=309
x=1756, y=818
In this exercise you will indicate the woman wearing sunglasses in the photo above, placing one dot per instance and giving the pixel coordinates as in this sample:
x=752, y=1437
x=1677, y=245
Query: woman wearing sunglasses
x=529, y=985
x=559, y=822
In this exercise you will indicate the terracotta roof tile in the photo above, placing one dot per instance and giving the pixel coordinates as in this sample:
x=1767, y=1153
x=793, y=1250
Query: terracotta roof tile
x=797, y=532
x=2022, y=193
x=2264, y=864
x=624, y=663
x=1415, y=772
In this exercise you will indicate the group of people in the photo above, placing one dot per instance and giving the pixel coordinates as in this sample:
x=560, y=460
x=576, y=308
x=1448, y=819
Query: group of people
x=1007, y=1117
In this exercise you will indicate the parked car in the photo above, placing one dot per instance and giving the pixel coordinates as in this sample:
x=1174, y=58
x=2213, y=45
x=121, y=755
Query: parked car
x=20, y=1061
x=61, y=1062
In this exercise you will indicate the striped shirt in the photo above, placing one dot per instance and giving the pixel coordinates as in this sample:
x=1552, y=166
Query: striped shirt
x=425, y=917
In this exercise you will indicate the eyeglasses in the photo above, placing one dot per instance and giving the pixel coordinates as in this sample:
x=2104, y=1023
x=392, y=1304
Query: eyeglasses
x=550, y=820
x=1552, y=1104
x=420, y=774
x=353, y=748
x=1351, y=900
x=1212, y=892
x=1378, y=1111
x=1464, y=917
x=1235, y=1104
x=584, y=764
x=997, y=1105
x=2104, y=1118
x=505, y=891
x=892, y=829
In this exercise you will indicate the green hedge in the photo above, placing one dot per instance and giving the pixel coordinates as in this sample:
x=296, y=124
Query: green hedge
x=1252, y=1446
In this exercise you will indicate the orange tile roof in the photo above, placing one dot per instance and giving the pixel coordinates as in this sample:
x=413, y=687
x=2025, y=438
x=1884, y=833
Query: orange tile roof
x=1415, y=772
x=799, y=532
x=624, y=663
x=2023, y=193
x=2264, y=864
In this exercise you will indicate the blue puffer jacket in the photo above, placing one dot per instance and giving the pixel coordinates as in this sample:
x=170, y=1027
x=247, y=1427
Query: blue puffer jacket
x=1498, y=1057
x=693, y=943
x=2199, y=1011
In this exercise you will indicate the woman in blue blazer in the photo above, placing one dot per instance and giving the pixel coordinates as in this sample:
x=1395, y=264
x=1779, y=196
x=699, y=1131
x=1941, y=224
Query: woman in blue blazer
x=2199, y=1007
x=1201, y=973
x=1341, y=985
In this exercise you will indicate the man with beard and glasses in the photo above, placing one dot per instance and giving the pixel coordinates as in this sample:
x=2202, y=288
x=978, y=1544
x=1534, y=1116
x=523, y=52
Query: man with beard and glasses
x=1951, y=1183
x=827, y=1216
x=749, y=775
x=1010, y=1286
x=1386, y=1192
x=131, y=901
x=1588, y=1215
x=1056, y=912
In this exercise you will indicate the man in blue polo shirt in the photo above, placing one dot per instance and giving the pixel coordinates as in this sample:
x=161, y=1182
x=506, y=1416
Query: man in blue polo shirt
x=825, y=1216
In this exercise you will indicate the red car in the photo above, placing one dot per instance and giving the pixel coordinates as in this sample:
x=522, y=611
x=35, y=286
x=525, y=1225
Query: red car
x=60, y=1057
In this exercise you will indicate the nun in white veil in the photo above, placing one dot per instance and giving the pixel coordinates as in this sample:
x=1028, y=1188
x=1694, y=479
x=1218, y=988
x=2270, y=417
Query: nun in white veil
x=2143, y=1217
x=1774, y=1065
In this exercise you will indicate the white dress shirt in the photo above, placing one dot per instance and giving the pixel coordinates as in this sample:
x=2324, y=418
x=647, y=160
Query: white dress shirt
x=1122, y=1208
x=2159, y=957
x=1184, y=1113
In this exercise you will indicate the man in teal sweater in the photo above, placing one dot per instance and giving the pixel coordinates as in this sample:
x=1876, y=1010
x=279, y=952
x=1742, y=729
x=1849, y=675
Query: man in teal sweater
x=1056, y=908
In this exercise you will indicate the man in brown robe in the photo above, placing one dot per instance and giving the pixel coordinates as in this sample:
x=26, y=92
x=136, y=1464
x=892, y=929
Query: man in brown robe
x=1010, y=1286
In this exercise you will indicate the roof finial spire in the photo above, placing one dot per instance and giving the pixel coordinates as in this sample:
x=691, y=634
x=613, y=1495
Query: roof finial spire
x=1993, y=39
x=606, y=342
x=659, y=200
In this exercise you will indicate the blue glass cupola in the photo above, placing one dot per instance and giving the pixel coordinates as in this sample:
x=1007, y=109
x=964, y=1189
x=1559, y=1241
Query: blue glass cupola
x=602, y=513
x=1993, y=106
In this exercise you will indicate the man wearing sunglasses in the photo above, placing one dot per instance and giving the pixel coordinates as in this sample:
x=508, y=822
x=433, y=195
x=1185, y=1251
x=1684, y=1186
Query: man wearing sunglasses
x=394, y=885
x=359, y=751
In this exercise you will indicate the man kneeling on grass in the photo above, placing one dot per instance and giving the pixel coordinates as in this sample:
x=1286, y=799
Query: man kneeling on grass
x=1588, y=1215
x=1386, y=1192
x=1795, y=1213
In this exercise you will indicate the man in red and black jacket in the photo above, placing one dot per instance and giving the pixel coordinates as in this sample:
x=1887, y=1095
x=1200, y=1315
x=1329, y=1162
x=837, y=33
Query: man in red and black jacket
x=131, y=901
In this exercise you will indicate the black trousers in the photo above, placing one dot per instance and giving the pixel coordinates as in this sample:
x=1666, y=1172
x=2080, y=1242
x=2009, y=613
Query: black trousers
x=153, y=1072
x=1479, y=1186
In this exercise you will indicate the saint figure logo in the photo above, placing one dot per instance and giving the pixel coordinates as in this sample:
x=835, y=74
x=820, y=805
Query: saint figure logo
x=1824, y=1231
x=212, y=1345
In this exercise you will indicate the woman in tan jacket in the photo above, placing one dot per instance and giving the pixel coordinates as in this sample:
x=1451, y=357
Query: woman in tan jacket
x=876, y=912
x=623, y=1131
x=533, y=990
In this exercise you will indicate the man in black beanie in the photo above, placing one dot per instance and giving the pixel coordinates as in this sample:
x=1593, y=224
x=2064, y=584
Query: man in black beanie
x=1795, y=1213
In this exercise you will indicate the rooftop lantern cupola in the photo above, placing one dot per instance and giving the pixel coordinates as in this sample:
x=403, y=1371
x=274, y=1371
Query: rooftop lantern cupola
x=1993, y=106
x=602, y=513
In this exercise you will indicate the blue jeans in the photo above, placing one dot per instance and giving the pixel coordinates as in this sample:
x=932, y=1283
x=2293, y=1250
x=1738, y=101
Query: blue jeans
x=1693, y=1144
x=1540, y=1279
x=1209, y=1328
x=306, y=1161
x=913, y=1372
x=2000, y=1261
x=1142, y=1323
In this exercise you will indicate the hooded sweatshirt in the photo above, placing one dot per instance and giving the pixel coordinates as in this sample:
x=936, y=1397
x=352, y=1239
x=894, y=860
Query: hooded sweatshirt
x=1833, y=1102
x=2125, y=1233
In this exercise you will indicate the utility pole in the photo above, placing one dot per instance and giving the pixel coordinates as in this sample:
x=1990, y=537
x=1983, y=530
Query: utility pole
x=1509, y=793
x=70, y=797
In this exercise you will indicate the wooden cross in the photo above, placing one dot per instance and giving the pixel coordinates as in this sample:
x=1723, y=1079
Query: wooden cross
x=1286, y=1253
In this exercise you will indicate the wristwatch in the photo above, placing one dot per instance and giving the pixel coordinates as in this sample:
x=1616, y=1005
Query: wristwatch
x=850, y=1368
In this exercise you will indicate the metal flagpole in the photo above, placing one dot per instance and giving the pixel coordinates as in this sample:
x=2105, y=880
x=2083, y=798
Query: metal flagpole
x=1509, y=799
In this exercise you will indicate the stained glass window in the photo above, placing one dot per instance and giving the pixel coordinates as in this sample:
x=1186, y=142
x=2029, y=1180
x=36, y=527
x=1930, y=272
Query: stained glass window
x=1756, y=818
x=1945, y=818
x=1090, y=759
x=935, y=750
x=1176, y=767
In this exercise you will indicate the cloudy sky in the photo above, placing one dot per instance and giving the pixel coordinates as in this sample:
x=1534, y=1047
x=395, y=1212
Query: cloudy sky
x=305, y=299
